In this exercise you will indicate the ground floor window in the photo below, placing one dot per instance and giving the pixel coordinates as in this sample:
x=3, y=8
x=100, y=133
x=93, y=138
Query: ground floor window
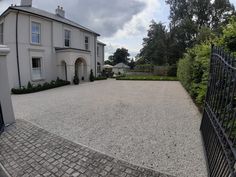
x=1, y=33
x=36, y=68
x=98, y=67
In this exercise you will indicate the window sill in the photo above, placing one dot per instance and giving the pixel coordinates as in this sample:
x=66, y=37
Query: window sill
x=36, y=44
x=37, y=80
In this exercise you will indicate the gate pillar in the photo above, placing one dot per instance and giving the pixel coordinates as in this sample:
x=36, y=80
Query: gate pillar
x=5, y=97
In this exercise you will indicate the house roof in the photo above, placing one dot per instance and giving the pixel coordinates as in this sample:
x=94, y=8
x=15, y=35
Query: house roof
x=48, y=15
x=99, y=42
x=120, y=65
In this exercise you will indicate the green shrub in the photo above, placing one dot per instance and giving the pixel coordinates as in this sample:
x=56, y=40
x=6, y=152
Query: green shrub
x=101, y=78
x=193, y=70
x=147, y=78
x=91, y=77
x=76, y=80
x=31, y=88
x=29, y=85
x=172, y=71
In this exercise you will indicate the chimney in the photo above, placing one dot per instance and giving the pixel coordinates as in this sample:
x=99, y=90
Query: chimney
x=60, y=12
x=27, y=3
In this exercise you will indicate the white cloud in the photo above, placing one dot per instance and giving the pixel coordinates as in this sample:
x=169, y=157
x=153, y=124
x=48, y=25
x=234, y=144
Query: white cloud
x=132, y=33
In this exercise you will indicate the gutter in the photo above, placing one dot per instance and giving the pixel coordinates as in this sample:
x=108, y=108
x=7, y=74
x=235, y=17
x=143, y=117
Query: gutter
x=17, y=50
x=95, y=53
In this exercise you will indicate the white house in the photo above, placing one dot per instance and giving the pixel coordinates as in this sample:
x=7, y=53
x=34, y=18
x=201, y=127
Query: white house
x=45, y=46
x=120, y=68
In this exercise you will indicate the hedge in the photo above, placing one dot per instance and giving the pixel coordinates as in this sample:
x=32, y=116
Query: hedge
x=193, y=71
x=100, y=78
x=147, y=78
x=36, y=88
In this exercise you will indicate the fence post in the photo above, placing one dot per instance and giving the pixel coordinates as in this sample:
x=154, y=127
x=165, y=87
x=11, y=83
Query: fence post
x=5, y=97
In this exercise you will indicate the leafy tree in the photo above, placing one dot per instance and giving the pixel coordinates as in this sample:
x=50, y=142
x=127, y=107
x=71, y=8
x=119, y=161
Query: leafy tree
x=108, y=62
x=201, y=12
x=205, y=34
x=221, y=11
x=121, y=55
x=154, y=45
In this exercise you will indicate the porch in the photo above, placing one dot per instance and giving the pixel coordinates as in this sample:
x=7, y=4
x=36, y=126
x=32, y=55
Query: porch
x=71, y=62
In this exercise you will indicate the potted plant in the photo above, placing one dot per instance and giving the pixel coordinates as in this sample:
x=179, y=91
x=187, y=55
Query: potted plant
x=76, y=79
x=91, y=77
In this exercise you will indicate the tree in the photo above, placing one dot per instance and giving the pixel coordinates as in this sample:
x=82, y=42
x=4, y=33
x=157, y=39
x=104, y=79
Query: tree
x=189, y=19
x=154, y=45
x=132, y=64
x=202, y=12
x=121, y=55
x=221, y=11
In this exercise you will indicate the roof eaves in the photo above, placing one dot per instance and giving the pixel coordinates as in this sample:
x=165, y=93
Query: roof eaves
x=17, y=9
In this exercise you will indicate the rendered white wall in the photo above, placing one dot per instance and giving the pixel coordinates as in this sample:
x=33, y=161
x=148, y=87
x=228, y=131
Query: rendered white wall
x=5, y=98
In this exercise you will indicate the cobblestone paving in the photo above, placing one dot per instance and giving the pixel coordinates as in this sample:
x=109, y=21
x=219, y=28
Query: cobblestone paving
x=29, y=151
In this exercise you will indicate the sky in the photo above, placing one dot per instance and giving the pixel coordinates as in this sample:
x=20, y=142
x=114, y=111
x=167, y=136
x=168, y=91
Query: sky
x=121, y=23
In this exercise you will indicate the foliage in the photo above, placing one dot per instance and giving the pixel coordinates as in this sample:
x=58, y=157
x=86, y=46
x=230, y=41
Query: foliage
x=121, y=55
x=91, y=77
x=205, y=34
x=108, y=62
x=200, y=12
x=172, y=71
x=154, y=45
x=165, y=70
x=100, y=78
x=193, y=71
x=148, y=68
x=76, y=79
x=29, y=85
x=228, y=40
x=191, y=22
x=36, y=88
x=148, y=78
x=132, y=64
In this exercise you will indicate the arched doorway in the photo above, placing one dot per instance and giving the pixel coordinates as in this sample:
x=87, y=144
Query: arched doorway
x=64, y=70
x=81, y=69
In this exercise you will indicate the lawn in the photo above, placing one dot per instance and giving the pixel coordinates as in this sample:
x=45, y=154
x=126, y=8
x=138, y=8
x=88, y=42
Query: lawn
x=148, y=78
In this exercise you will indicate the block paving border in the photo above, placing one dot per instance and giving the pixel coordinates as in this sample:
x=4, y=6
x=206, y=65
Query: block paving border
x=29, y=151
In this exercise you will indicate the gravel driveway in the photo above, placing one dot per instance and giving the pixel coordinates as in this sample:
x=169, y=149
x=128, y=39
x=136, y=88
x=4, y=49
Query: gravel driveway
x=148, y=123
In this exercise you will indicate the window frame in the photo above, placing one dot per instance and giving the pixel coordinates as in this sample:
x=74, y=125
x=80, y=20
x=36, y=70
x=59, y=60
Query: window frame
x=86, y=44
x=66, y=30
x=35, y=33
x=2, y=34
x=98, y=51
x=33, y=77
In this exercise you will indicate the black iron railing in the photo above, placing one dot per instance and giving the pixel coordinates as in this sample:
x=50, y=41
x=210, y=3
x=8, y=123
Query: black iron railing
x=1, y=120
x=218, y=125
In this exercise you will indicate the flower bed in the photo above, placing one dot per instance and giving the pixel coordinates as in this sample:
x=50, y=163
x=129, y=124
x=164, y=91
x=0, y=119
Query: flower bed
x=40, y=87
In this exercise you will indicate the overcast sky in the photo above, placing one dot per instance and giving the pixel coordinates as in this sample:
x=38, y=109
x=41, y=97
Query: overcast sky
x=121, y=23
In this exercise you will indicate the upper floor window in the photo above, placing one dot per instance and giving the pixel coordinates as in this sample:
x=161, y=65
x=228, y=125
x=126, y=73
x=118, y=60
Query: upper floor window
x=36, y=68
x=98, y=52
x=86, y=41
x=1, y=33
x=67, y=38
x=35, y=33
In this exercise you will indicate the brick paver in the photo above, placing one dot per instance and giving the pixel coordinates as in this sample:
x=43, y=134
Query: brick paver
x=29, y=151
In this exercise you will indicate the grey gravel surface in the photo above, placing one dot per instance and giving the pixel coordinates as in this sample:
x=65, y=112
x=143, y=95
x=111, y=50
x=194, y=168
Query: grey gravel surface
x=148, y=123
